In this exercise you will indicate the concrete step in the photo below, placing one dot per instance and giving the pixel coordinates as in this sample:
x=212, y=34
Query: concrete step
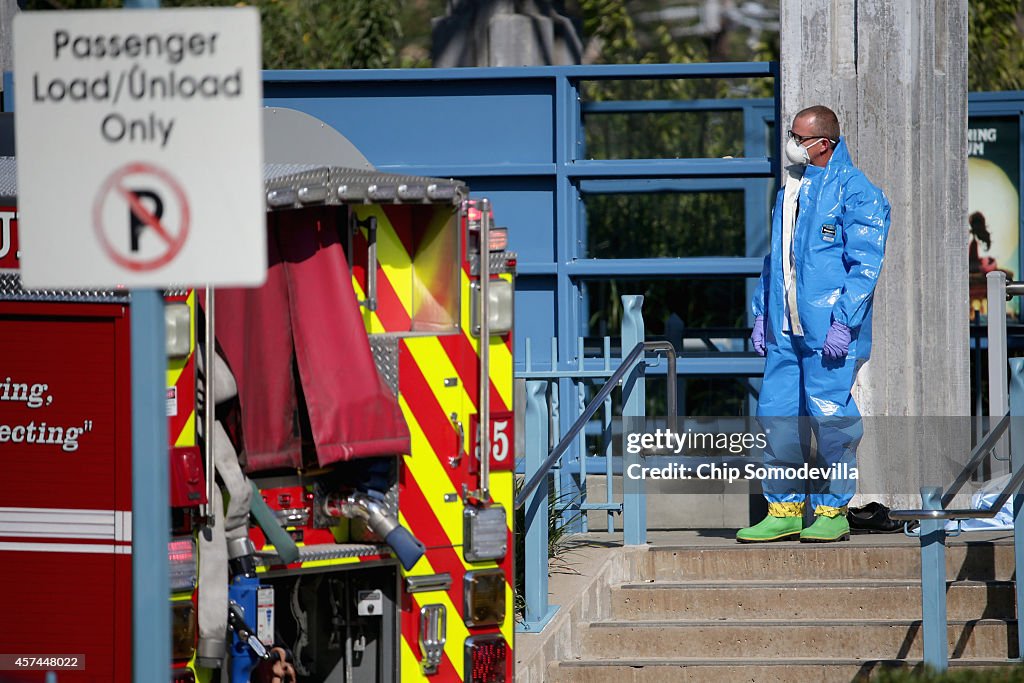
x=739, y=670
x=791, y=561
x=847, y=599
x=824, y=638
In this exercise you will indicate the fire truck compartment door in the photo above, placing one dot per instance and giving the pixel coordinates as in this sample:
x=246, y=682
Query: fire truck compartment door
x=306, y=317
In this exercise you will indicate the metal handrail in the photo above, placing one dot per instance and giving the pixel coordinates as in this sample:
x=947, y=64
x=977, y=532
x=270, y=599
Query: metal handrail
x=977, y=456
x=606, y=389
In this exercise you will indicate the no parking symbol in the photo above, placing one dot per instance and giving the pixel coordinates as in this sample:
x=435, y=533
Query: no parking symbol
x=141, y=217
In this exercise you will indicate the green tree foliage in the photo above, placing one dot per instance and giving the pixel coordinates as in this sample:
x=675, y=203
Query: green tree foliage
x=995, y=45
x=355, y=34
x=301, y=34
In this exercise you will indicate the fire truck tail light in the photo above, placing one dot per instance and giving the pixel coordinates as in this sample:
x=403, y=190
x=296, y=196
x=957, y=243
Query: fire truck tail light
x=312, y=194
x=279, y=198
x=183, y=629
x=176, y=324
x=485, y=533
x=499, y=307
x=412, y=192
x=181, y=554
x=381, y=192
x=441, y=192
x=485, y=659
x=349, y=193
x=484, y=597
x=497, y=239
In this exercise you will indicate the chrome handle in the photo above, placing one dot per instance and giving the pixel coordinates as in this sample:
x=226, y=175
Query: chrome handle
x=370, y=223
x=461, y=433
x=433, y=636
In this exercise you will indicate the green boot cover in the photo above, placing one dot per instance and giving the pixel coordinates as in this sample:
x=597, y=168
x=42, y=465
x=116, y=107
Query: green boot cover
x=771, y=529
x=827, y=528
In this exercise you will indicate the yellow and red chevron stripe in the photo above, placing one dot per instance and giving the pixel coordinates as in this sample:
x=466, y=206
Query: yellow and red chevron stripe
x=181, y=380
x=439, y=376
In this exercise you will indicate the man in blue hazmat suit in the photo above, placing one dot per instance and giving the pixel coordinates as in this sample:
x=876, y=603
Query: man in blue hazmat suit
x=812, y=322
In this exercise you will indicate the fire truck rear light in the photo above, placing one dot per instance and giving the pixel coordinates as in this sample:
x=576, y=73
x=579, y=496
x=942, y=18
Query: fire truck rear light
x=485, y=659
x=349, y=193
x=183, y=629
x=177, y=324
x=181, y=554
x=411, y=192
x=381, y=192
x=485, y=533
x=500, y=307
x=439, y=192
x=279, y=198
x=483, y=595
x=312, y=194
x=497, y=239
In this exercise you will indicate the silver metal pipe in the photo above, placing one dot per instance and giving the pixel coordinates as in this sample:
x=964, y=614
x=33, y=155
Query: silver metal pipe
x=209, y=409
x=1010, y=489
x=998, y=389
x=485, y=350
x=983, y=448
x=1014, y=289
x=670, y=353
x=371, y=264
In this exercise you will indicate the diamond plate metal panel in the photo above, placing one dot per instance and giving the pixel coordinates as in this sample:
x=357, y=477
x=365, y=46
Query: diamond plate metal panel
x=274, y=172
x=11, y=290
x=385, y=355
x=499, y=263
x=327, y=551
x=8, y=177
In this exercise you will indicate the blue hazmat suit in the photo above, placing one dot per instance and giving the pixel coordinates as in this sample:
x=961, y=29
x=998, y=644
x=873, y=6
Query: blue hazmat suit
x=838, y=246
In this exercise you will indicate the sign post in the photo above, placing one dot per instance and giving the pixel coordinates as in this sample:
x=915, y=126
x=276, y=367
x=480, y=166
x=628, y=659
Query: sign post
x=139, y=140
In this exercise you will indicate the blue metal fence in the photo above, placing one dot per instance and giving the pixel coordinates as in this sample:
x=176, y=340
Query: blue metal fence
x=517, y=136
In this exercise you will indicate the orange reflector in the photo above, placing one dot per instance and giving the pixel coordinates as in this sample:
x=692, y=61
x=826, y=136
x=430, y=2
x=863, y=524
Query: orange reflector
x=183, y=630
x=484, y=597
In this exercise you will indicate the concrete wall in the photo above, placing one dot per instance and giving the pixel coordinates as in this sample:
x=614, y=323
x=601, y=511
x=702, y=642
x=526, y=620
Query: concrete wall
x=896, y=74
x=8, y=8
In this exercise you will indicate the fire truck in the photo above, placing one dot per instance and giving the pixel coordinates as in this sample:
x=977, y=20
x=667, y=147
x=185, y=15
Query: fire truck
x=341, y=443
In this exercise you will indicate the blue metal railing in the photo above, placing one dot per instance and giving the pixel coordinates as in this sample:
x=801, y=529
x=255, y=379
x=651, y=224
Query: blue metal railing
x=629, y=372
x=934, y=514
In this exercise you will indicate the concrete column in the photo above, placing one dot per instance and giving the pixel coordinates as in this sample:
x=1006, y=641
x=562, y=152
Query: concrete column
x=8, y=8
x=504, y=33
x=896, y=75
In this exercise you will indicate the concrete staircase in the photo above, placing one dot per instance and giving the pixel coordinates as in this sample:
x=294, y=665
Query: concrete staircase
x=789, y=612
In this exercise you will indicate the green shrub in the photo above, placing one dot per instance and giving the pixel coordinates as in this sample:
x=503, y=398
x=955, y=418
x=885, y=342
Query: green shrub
x=1009, y=674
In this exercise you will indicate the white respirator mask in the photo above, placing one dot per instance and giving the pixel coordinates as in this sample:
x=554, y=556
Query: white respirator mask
x=797, y=153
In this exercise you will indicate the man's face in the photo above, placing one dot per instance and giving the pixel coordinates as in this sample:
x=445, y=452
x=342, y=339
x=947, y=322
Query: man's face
x=804, y=131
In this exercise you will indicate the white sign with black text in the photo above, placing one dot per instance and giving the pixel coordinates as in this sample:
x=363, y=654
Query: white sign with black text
x=140, y=147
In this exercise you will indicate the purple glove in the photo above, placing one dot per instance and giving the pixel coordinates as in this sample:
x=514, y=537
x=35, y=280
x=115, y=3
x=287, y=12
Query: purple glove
x=837, y=341
x=757, y=336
